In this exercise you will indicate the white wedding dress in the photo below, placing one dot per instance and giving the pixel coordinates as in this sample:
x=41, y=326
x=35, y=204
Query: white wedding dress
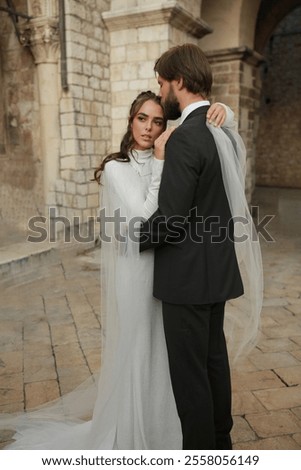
x=141, y=406
x=131, y=404
x=134, y=406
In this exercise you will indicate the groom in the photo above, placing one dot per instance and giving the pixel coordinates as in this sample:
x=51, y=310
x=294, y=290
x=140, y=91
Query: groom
x=196, y=269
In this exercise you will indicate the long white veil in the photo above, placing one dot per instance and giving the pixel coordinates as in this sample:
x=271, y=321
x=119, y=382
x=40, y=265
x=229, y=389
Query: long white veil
x=242, y=318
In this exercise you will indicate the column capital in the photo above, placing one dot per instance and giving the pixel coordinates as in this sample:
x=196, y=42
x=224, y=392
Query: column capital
x=168, y=12
x=41, y=35
x=242, y=53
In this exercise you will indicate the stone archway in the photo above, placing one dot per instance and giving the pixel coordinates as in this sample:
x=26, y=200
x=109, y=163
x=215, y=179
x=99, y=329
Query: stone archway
x=233, y=23
x=271, y=12
x=278, y=142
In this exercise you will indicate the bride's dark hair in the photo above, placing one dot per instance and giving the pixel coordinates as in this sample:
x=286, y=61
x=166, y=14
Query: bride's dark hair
x=127, y=143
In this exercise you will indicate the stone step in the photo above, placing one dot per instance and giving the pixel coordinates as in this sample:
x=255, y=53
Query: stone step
x=23, y=257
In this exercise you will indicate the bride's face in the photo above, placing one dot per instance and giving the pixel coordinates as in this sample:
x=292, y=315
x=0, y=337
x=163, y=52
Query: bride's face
x=147, y=125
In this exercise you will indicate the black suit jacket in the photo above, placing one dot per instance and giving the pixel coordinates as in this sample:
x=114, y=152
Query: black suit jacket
x=192, y=230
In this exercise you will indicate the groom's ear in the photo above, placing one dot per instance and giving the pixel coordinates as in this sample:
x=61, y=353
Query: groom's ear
x=180, y=83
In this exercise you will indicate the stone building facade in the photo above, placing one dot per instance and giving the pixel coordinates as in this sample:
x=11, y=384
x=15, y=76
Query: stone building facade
x=69, y=72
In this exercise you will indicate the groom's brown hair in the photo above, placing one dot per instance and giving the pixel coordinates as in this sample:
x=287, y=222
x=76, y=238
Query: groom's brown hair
x=188, y=62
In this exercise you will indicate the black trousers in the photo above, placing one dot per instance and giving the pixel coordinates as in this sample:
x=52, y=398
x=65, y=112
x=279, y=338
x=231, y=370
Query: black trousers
x=200, y=373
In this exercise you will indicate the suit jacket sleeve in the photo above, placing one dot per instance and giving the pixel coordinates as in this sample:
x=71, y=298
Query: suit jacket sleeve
x=178, y=186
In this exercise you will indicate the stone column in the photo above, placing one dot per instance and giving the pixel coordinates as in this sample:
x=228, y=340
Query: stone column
x=237, y=83
x=140, y=32
x=41, y=35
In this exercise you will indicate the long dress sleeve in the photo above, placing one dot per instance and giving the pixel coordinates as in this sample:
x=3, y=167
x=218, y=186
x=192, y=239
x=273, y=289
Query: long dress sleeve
x=151, y=202
x=230, y=121
x=138, y=194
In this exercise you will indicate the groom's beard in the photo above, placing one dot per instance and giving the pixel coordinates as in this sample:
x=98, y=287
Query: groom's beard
x=171, y=106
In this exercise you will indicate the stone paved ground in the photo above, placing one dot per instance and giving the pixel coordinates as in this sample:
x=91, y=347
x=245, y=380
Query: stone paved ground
x=50, y=331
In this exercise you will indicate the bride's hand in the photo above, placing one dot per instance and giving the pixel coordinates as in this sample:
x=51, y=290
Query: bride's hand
x=160, y=142
x=216, y=114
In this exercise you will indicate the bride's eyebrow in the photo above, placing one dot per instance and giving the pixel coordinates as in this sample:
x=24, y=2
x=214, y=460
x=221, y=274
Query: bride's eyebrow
x=146, y=116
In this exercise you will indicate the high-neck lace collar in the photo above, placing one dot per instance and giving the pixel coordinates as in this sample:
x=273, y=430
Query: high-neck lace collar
x=141, y=155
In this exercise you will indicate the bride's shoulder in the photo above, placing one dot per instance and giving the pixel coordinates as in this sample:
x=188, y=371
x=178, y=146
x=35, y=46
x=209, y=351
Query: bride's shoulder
x=113, y=165
x=114, y=169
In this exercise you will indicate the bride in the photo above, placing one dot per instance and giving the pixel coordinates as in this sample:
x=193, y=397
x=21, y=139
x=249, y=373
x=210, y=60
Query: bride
x=132, y=403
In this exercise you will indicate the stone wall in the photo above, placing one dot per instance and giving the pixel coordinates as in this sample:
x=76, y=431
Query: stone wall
x=21, y=184
x=132, y=60
x=85, y=114
x=279, y=142
x=139, y=33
